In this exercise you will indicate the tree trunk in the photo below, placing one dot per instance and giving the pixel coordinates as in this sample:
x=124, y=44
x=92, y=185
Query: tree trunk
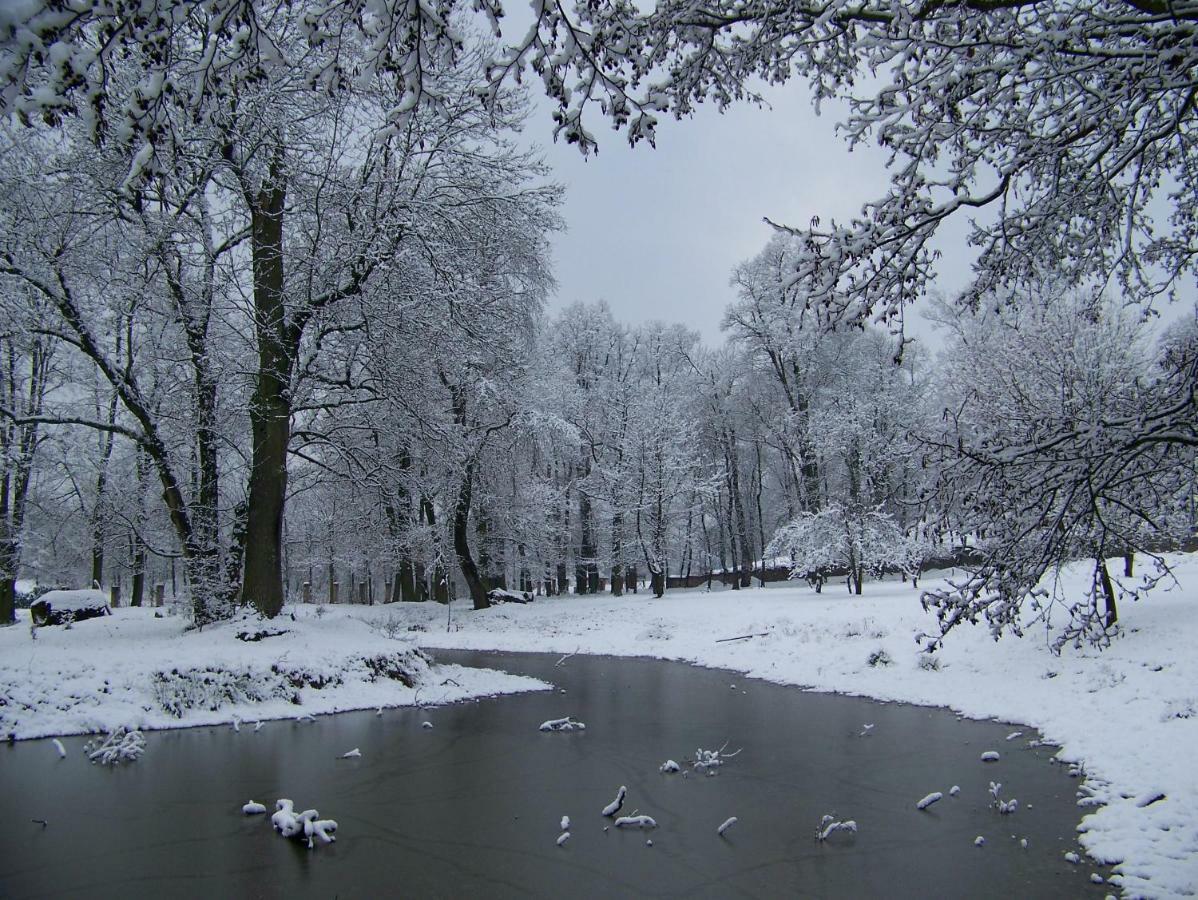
x=657, y=582
x=270, y=406
x=98, y=519
x=1108, y=593
x=461, y=541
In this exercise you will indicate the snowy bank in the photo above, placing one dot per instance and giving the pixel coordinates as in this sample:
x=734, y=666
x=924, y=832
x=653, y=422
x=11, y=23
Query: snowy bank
x=136, y=670
x=1127, y=716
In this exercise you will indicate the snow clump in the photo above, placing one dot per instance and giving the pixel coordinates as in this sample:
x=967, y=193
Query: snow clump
x=566, y=724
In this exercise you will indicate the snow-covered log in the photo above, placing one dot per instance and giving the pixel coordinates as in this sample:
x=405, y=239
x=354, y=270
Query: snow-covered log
x=614, y=807
x=566, y=724
x=929, y=800
x=990, y=756
x=728, y=823
x=669, y=766
x=828, y=826
x=499, y=595
x=64, y=607
x=635, y=822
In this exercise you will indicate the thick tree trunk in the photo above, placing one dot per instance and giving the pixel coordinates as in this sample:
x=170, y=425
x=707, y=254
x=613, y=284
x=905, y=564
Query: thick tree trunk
x=270, y=408
x=461, y=541
x=657, y=582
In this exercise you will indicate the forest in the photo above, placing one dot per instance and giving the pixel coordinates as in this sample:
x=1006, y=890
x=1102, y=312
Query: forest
x=279, y=318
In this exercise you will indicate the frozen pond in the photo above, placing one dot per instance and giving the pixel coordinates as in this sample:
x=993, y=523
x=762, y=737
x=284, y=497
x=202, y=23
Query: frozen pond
x=471, y=807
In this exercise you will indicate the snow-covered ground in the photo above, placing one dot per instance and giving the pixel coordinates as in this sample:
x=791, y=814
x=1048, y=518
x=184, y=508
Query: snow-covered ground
x=1127, y=715
x=135, y=670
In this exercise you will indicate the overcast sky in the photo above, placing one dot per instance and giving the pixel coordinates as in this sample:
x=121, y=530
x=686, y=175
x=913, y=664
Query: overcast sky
x=656, y=232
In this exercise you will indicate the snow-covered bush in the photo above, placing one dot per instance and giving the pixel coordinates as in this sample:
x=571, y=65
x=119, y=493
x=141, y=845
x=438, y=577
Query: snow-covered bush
x=880, y=658
x=120, y=746
x=848, y=540
x=211, y=688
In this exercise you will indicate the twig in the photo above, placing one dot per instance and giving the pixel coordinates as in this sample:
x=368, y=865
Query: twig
x=41, y=822
x=564, y=658
x=743, y=637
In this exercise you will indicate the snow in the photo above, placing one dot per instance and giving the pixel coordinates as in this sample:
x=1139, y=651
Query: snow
x=73, y=601
x=929, y=800
x=352, y=754
x=566, y=724
x=990, y=756
x=669, y=766
x=132, y=670
x=1128, y=716
x=253, y=808
x=728, y=823
x=614, y=807
x=562, y=838
x=635, y=822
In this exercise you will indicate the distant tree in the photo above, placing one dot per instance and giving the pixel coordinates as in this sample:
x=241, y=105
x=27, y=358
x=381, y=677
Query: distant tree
x=848, y=540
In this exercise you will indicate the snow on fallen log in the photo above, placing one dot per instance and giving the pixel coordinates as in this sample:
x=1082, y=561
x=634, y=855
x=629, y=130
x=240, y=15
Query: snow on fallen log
x=728, y=823
x=990, y=756
x=62, y=751
x=566, y=724
x=669, y=766
x=929, y=800
x=120, y=746
x=954, y=790
x=828, y=826
x=352, y=754
x=635, y=822
x=562, y=838
x=253, y=808
x=614, y=807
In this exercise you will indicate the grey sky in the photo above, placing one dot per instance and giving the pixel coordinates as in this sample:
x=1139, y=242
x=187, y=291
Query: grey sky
x=656, y=232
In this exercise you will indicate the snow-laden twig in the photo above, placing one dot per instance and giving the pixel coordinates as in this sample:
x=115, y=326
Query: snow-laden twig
x=564, y=658
x=711, y=759
x=566, y=724
x=669, y=766
x=1004, y=807
x=352, y=754
x=562, y=838
x=828, y=826
x=62, y=751
x=635, y=822
x=120, y=746
x=728, y=823
x=614, y=807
